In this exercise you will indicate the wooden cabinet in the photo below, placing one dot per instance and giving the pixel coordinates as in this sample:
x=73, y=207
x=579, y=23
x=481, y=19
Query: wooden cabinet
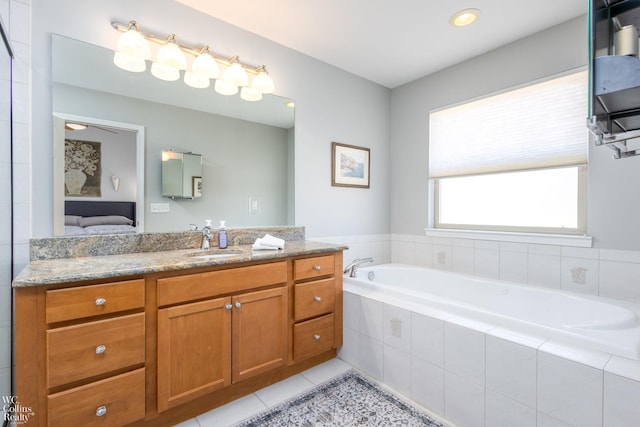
x=317, y=308
x=259, y=332
x=204, y=346
x=194, y=350
x=165, y=347
x=94, y=354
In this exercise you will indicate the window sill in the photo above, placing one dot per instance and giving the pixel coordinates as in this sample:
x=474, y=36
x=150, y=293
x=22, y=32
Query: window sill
x=505, y=236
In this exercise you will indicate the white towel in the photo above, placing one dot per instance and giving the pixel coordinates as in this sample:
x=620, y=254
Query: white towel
x=268, y=242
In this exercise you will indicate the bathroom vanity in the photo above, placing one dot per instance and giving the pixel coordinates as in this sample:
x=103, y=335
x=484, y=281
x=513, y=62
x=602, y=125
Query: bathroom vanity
x=156, y=338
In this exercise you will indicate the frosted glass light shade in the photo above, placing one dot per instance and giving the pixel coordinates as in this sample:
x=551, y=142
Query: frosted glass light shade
x=263, y=82
x=132, y=43
x=172, y=56
x=236, y=74
x=225, y=87
x=164, y=72
x=250, y=94
x=129, y=62
x=206, y=65
x=196, y=80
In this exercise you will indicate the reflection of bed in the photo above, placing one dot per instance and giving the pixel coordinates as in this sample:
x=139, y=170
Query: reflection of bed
x=86, y=217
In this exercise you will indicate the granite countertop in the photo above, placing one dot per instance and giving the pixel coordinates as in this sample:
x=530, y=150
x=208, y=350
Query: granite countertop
x=56, y=271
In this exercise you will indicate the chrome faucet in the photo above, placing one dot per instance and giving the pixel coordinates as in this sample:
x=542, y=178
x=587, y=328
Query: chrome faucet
x=206, y=238
x=353, y=266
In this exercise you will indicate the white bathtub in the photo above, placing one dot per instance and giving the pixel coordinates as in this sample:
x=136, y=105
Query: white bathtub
x=590, y=322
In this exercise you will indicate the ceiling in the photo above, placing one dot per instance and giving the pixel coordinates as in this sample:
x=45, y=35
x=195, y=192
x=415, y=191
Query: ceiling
x=390, y=42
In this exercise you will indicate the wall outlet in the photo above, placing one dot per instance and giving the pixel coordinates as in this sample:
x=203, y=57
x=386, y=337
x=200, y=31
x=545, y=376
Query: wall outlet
x=160, y=208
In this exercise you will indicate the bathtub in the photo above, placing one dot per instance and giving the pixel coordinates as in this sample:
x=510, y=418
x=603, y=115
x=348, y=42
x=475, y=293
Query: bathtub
x=592, y=323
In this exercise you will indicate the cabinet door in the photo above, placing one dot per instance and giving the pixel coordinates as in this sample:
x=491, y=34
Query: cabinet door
x=259, y=332
x=194, y=351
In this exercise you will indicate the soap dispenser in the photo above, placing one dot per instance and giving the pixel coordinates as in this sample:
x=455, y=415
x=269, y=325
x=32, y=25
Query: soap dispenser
x=222, y=235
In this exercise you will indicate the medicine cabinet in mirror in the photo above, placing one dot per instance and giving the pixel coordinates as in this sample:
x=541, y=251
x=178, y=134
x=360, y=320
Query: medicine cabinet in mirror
x=181, y=175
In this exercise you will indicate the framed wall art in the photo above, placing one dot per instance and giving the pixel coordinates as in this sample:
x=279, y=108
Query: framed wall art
x=349, y=166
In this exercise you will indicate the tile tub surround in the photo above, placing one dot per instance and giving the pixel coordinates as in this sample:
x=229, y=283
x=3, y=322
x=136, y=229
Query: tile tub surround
x=608, y=273
x=476, y=374
x=118, y=244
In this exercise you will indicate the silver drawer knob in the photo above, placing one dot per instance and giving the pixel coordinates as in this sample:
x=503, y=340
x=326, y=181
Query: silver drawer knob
x=100, y=301
x=101, y=411
x=228, y=306
x=316, y=337
x=317, y=299
x=238, y=304
x=101, y=349
x=316, y=267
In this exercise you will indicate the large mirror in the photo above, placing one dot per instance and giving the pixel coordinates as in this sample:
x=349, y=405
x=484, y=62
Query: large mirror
x=246, y=147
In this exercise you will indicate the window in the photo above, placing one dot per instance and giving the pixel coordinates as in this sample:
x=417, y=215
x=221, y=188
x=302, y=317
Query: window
x=515, y=161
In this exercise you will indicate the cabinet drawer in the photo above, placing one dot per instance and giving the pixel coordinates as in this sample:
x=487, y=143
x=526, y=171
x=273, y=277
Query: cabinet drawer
x=190, y=287
x=313, y=337
x=307, y=268
x=82, y=351
x=115, y=401
x=314, y=298
x=86, y=301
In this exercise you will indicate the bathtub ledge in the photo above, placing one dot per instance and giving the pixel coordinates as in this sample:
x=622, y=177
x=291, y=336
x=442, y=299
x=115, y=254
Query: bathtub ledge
x=592, y=358
x=624, y=367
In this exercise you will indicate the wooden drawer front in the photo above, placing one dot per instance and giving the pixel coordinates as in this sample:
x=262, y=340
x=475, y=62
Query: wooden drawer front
x=314, y=298
x=308, y=268
x=313, y=337
x=86, y=301
x=205, y=285
x=75, y=353
x=119, y=399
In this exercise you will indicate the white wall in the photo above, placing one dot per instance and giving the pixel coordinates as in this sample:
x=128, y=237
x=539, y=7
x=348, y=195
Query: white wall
x=331, y=105
x=612, y=201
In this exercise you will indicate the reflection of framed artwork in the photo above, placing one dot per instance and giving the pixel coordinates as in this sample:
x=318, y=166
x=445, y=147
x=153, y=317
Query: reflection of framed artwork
x=197, y=186
x=349, y=166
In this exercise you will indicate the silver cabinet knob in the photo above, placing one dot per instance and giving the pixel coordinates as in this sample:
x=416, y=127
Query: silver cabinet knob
x=316, y=337
x=101, y=349
x=316, y=267
x=238, y=304
x=100, y=301
x=101, y=411
x=228, y=306
x=317, y=299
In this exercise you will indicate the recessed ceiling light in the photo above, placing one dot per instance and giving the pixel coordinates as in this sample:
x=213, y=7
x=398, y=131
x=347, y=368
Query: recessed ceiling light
x=464, y=17
x=290, y=104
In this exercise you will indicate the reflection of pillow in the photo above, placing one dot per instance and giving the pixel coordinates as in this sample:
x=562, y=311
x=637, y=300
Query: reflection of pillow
x=104, y=220
x=71, y=219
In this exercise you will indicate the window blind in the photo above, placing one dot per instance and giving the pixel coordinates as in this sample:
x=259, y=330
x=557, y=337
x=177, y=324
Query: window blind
x=541, y=125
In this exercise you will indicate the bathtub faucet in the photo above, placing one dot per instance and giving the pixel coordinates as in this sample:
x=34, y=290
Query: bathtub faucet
x=353, y=266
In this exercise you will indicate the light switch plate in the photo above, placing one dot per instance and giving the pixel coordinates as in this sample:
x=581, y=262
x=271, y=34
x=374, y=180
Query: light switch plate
x=254, y=205
x=160, y=208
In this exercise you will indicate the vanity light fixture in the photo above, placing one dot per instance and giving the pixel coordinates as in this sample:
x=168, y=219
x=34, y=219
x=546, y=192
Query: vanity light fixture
x=464, y=17
x=133, y=50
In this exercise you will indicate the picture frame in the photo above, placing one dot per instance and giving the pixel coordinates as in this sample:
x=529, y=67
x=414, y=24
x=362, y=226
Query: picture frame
x=350, y=166
x=196, y=186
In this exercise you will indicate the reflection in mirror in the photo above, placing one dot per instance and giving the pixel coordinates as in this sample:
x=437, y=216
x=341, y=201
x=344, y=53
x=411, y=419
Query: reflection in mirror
x=181, y=175
x=246, y=147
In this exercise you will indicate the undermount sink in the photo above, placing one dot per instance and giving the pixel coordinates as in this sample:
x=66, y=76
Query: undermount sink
x=205, y=256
